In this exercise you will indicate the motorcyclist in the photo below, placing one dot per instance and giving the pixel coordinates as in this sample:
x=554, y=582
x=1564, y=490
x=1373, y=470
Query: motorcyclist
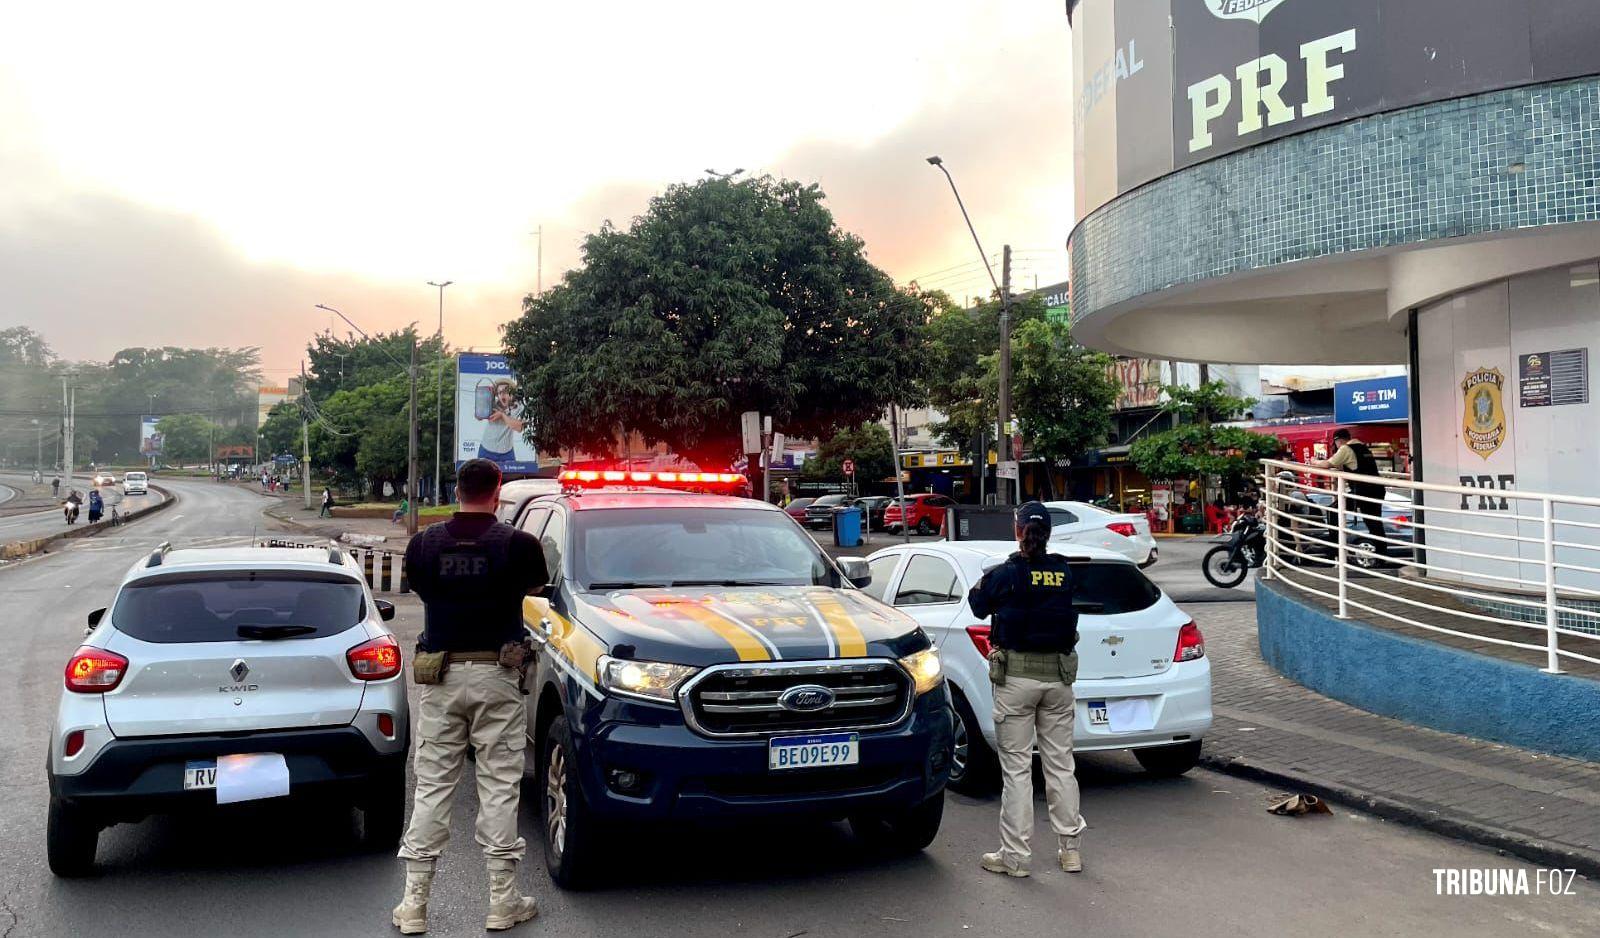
x=70, y=506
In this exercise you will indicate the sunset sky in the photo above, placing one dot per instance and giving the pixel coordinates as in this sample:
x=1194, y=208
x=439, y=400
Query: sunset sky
x=203, y=174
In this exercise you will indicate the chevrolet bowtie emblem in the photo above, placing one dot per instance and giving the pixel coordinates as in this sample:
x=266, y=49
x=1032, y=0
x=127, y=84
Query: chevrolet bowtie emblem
x=1112, y=640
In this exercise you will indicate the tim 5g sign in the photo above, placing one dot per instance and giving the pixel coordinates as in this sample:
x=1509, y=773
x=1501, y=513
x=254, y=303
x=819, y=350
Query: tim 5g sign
x=1371, y=399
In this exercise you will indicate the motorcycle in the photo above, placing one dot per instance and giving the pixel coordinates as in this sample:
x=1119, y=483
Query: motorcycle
x=70, y=512
x=1227, y=564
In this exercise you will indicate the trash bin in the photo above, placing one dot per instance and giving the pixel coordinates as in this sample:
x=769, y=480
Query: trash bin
x=847, y=528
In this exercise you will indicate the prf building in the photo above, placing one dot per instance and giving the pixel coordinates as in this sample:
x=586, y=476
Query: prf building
x=1356, y=182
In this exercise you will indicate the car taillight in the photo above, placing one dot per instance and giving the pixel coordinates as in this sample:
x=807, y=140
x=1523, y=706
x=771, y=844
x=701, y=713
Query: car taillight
x=375, y=660
x=980, y=638
x=1124, y=528
x=95, y=670
x=386, y=725
x=1191, y=644
x=1400, y=520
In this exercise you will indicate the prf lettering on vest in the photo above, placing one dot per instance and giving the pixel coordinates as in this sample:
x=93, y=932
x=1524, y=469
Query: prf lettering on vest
x=1261, y=84
x=463, y=565
x=1048, y=578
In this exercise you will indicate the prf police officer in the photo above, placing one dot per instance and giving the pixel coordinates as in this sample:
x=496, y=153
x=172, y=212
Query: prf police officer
x=1032, y=664
x=472, y=573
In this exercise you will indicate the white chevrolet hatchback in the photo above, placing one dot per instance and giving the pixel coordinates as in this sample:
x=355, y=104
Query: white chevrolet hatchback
x=226, y=675
x=1144, y=682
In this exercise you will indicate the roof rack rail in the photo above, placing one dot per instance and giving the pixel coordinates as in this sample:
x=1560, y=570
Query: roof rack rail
x=159, y=555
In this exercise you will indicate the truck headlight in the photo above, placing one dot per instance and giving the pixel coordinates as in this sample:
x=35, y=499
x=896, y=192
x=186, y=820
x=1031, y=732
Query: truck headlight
x=924, y=669
x=655, y=681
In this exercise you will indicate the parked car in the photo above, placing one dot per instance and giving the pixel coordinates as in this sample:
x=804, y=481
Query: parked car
x=819, y=514
x=1082, y=524
x=923, y=513
x=1144, y=682
x=797, y=508
x=875, y=506
x=229, y=674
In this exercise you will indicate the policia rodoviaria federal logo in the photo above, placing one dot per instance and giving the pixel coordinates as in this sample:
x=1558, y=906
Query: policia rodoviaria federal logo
x=1253, y=10
x=1483, y=415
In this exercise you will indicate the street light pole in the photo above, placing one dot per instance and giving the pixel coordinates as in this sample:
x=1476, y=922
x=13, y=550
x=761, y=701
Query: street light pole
x=1001, y=492
x=411, y=448
x=438, y=402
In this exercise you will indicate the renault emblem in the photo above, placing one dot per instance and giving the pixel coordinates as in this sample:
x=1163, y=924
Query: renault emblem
x=239, y=670
x=806, y=698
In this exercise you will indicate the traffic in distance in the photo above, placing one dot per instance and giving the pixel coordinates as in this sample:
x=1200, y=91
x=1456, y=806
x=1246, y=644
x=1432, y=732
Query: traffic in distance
x=697, y=655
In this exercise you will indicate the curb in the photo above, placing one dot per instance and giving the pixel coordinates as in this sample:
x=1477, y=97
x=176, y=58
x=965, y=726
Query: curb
x=19, y=550
x=1522, y=846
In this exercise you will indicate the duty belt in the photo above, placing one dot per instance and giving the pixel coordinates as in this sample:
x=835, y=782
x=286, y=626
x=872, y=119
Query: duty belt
x=474, y=656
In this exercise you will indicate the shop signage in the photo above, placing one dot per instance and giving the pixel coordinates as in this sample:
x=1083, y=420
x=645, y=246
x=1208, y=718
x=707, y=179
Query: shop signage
x=946, y=460
x=1545, y=379
x=1483, y=416
x=1139, y=380
x=1371, y=399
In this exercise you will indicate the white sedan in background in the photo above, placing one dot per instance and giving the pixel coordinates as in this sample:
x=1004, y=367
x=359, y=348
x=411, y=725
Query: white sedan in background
x=1144, y=682
x=1083, y=525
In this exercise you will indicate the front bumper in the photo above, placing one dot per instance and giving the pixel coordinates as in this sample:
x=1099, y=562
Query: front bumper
x=131, y=778
x=686, y=775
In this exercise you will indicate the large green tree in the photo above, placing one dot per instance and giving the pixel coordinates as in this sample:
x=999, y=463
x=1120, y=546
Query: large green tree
x=1197, y=446
x=186, y=438
x=723, y=297
x=867, y=445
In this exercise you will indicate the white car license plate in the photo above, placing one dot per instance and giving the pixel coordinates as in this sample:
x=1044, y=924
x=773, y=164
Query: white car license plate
x=1098, y=714
x=810, y=752
x=200, y=775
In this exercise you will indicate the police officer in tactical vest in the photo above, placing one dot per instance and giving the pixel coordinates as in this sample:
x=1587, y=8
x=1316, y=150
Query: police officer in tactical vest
x=1033, y=633
x=1364, y=498
x=472, y=573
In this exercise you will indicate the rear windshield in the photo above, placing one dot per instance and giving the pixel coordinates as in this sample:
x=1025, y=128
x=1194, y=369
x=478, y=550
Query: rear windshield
x=829, y=500
x=227, y=607
x=1111, y=589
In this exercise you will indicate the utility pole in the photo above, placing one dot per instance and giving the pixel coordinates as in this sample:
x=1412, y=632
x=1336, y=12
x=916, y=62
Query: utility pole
x=411, y=450
x=1006, y=437
x=305, y=435
x=539, y=265
x=69, y=424
x=438, y=402
x=899, y=476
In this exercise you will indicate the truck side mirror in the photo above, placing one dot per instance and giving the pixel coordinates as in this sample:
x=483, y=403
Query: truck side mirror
x=856, y=571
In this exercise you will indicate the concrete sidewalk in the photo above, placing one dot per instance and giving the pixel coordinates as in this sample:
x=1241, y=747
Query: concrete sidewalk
x=292, y=511
x=1540, y=807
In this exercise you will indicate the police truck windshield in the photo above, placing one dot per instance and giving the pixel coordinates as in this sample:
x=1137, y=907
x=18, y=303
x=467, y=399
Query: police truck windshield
x=662, y=547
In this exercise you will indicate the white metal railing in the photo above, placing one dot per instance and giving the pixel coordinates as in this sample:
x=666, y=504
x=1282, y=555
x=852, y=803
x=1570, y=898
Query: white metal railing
x=1477, y=562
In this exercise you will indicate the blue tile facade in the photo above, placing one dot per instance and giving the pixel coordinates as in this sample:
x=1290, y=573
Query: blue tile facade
x=1506, y=160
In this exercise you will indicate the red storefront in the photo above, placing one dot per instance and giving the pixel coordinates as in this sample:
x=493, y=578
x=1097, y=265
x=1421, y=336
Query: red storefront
x=1390, y=442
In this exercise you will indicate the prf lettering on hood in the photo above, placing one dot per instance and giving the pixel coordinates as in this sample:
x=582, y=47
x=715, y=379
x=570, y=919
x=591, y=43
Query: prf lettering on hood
x=1261, y=84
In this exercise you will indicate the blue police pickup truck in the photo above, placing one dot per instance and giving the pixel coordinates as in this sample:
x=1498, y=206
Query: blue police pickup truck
x=699, y=656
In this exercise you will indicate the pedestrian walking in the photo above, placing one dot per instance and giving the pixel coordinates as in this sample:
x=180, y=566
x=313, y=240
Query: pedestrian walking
x=55, y=487
x=97, y=505
x=471, y=573
x=1356, y=457
x=1032, y=663
x=327, y=503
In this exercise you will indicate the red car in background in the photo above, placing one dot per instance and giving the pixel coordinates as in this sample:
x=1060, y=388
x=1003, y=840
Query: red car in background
x=797, y=509
x=922, y=513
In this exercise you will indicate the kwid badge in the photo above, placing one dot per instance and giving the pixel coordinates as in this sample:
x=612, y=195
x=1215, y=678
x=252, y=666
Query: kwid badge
x=1483, y=416
x=1253, y=10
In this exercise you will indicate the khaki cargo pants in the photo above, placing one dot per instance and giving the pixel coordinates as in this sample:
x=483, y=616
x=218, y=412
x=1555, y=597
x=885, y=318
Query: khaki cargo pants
x=1028, y=711
x=480, y=705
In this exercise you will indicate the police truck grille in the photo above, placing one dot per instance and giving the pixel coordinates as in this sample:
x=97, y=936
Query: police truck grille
x=744, y=700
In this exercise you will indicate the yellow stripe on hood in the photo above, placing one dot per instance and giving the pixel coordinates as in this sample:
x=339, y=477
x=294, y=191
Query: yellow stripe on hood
x=852, y=644
x=748, y=647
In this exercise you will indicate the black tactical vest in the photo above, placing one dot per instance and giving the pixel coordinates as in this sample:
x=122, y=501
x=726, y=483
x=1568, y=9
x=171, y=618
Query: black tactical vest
x=472, y=601
x=1038, y=615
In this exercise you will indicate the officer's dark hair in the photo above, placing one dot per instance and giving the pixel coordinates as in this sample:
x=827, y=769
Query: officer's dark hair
x=1035, y=536
x=1341, y=434
x=477, y=479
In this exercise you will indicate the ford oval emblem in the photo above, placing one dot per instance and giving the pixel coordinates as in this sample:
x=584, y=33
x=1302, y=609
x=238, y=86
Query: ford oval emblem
x=806, y=698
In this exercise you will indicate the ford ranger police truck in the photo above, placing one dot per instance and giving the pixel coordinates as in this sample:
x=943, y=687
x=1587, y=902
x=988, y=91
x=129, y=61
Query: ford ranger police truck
x=700, y=656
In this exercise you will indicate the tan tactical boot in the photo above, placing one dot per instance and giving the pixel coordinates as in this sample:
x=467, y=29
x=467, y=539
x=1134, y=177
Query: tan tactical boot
x=995, y=863
x=1071, y=860
x=506, y=907
x=411, y=915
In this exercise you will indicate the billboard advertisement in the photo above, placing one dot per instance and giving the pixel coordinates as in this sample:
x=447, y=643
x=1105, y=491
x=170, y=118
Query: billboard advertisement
x=1372, y=399
x=1163, y=84
x=489, y=423
x=150, y=441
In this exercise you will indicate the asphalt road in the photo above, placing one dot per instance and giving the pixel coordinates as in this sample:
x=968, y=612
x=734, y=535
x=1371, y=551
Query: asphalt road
x=47, y=521
x=1197, y=856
